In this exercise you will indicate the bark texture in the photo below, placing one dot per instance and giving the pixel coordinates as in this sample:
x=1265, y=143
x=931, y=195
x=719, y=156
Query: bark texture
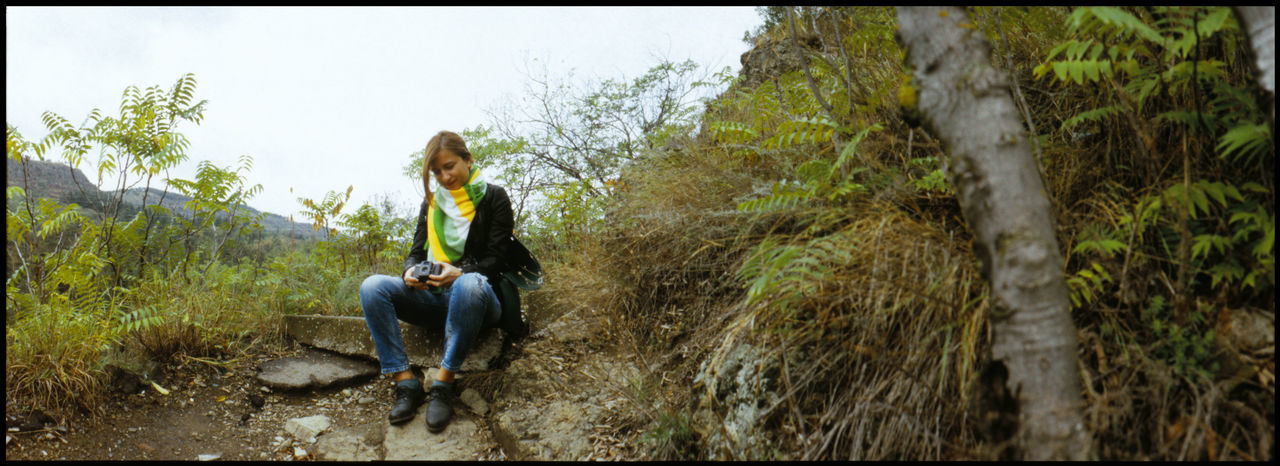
x=1259, y=22
x=966, y=104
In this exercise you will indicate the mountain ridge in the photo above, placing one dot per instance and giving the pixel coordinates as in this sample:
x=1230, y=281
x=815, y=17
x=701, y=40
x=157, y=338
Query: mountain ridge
x=59, y=181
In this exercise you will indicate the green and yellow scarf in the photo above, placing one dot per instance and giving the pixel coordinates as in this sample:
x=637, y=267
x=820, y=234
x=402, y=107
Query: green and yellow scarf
x=449, y=218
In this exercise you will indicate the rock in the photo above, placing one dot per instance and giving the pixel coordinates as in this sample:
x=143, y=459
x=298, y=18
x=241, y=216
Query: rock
x=733, y=395
x=345, y=446
x=299, y=453
x=35, y=421
x=412, y=442
x=771, y=58
x=1247, y=330
x=473, y=400
x=557, y=429
x=124, y=381
x=313, y=370
x=209, y=457
x=256, y=401
x=365, y=400
x=350, y=336
x=571, y=327
x=306, y=427
x=544, y=433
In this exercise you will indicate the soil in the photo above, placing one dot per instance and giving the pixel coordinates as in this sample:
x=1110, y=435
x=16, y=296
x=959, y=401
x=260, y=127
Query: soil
x=208, y=411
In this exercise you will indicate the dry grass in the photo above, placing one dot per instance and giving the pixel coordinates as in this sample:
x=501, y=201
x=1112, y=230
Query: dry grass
x=876, y=354
x=54, y=367
x=878, y=321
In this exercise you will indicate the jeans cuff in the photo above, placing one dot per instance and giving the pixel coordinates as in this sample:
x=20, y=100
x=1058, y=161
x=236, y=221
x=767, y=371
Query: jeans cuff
x=386, y=371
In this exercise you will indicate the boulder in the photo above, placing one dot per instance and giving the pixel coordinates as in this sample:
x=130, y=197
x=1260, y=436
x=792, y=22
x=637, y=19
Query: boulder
x=424, y=347
x=313, y=370
x=734, y=392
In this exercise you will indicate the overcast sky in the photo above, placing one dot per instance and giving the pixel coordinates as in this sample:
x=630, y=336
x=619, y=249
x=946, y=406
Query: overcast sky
x=325, y=98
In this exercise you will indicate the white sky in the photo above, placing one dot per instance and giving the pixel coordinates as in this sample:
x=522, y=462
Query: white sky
x=323, y=98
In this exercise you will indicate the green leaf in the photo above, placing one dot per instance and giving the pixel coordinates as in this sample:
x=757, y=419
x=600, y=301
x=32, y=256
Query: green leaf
x=1213, y=22
x=1060, y=70
x=1245, y=141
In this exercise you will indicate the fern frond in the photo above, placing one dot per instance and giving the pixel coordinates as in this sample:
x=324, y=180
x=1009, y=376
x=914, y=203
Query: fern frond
x=1245, y=142
x=1090, y=116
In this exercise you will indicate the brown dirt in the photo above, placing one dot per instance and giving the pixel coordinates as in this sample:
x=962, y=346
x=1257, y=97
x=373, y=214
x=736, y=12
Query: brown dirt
x=207, y=412
x=208, y=409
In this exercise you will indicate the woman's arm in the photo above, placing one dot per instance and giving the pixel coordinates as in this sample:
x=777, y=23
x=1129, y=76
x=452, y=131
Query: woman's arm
x=416, y=252
x=492, y=260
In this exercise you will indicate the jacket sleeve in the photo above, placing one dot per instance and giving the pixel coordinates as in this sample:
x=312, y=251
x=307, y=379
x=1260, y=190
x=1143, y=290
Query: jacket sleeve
x=493, y=260
x=416, y=252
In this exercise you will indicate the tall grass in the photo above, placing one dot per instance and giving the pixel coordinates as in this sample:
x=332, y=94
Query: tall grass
x=868, y=298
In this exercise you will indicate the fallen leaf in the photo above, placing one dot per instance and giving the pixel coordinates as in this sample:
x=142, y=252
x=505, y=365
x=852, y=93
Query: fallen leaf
x=221, y=399
x=159, y=388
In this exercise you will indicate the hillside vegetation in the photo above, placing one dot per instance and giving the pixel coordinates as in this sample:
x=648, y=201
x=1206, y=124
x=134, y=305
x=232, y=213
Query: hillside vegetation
x=789, y=258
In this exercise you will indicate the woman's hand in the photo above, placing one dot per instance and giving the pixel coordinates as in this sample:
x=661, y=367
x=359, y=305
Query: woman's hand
x=411, y=282
x=446, y=277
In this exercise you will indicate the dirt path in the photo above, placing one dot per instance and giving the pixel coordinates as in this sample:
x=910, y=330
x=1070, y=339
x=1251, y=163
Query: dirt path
x=210, y=413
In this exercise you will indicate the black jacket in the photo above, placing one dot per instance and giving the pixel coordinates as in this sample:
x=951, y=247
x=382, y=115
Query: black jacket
x=487, y=243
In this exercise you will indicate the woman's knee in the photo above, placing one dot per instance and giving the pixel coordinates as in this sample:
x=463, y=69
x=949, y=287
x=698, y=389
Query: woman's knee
x=375, y=283
x=471, y=283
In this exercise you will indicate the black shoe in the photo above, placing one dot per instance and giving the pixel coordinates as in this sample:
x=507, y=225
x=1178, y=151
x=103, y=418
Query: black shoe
x=409, y=396
x=439, y=411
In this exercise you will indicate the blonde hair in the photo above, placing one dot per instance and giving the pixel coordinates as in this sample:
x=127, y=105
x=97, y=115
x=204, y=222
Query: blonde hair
x=446, y=140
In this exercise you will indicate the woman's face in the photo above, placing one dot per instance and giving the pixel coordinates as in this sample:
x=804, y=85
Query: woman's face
x=450, y=170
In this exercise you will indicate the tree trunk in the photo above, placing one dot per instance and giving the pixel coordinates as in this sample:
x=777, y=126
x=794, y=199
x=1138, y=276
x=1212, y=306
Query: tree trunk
x=1259, y=22
x=966, y=103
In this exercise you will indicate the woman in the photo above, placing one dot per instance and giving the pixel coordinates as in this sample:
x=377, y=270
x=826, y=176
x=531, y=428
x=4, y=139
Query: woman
x=465, y=225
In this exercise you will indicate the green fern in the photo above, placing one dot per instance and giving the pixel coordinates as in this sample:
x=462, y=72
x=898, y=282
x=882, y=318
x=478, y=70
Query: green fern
x=1085, y=284
x=812, y=130
x=819, y=180
x=1097, y=115
x=1247, y=142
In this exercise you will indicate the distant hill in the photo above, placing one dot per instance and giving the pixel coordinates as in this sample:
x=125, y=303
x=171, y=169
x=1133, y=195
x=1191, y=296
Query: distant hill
x=47, y=179
x=59, y=181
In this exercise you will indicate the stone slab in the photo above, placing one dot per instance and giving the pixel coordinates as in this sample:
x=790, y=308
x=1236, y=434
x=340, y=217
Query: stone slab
x=345, y=446
x=313, y=370
x=411, y=441
x=424, y=347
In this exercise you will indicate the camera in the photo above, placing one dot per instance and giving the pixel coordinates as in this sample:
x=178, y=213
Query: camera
x=424, y=268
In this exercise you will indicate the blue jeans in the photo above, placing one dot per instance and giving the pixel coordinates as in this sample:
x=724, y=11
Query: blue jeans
x=463, y=308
